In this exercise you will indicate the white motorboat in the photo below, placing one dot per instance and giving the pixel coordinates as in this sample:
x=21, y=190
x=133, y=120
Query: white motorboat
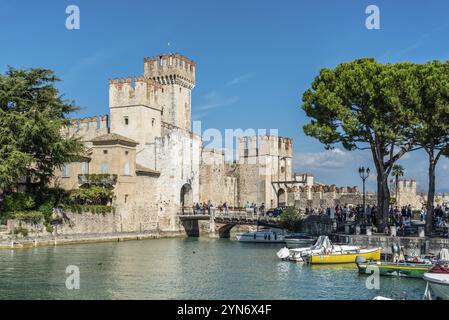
x=323, y=244
x=439, y=284
x=265, y=236
x=438, y=277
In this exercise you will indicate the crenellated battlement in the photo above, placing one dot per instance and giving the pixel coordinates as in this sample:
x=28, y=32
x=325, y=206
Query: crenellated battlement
x=404, y=185
x=133, y=92
x=88, y=128
x=325, y=189
x=169, y=69
x=266, y=145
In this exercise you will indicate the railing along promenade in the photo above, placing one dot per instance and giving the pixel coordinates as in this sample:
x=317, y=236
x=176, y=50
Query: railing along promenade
x=237, y=216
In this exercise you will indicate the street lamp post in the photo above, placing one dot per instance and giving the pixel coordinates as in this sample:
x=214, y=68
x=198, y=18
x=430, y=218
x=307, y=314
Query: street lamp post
x=364, y=174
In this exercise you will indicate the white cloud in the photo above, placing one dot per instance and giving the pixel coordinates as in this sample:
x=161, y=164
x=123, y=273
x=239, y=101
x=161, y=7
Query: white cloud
x=327, y=159
x=217, y=103
x=238, y=79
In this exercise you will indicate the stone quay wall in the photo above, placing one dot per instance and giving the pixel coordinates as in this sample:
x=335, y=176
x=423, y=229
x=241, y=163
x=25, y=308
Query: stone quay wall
x=73, y=224
x=411, y=245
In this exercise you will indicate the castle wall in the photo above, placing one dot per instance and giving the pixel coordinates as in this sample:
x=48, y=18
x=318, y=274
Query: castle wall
x=251, y=186
x=136, y=205
x=178, y=160
x=216, y=184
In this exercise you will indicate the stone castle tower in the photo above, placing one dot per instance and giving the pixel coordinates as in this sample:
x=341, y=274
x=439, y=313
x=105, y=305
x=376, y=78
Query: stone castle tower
x=265, y=162
x=406, y=192
x=142, y=108
x=135, y=109
x=176, y=76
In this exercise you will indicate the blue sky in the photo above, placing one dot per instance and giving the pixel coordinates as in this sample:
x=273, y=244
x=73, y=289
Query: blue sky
x=254, y=58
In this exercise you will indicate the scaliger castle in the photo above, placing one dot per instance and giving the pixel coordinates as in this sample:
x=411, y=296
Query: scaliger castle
x=161, y=166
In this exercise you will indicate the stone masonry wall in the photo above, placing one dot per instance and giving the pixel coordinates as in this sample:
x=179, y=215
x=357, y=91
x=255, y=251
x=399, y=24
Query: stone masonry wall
x=74, y=224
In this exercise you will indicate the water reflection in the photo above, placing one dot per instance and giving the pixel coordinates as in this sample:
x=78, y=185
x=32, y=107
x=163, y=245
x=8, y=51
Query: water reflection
x=183, y=269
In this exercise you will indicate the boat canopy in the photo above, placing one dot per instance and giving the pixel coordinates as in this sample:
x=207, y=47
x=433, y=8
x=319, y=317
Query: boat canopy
x=322, y=242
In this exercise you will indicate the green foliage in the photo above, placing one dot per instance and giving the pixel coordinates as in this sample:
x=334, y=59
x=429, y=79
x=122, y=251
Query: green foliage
x=21, y=230
x=49, y=228
x=33, y=217
x=432, y=131
x=291, y=219
x=33, y=208
x=94, y=195
x=5, y=216
x=18, y=201
x=32, y=116
x=398, y=171
x=52, y=197
x=365, y=105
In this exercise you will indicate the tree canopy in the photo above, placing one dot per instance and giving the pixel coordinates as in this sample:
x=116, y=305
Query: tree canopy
x=32, y=118
x=431, y=131
x=368, y=106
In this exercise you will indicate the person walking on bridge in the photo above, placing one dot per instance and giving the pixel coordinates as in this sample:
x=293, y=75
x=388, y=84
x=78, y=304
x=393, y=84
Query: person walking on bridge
x=225, y=208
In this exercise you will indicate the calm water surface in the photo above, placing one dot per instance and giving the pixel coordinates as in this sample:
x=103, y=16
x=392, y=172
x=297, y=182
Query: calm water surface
x=183, y=269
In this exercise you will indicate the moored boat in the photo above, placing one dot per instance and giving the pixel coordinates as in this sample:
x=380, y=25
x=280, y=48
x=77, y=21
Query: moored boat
x=323, y=244
x=348, y=256
x=399, y=269
x=438, y=280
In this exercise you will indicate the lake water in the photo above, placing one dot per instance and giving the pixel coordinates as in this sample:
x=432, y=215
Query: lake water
x=183, y=269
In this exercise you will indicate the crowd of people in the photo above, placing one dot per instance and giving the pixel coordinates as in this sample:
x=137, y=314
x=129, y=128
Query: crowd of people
x=400, y=217
x=207, y=207
x=346, y=213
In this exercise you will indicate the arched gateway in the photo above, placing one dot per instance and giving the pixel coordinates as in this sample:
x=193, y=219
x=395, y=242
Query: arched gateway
x=186, y=198
x=282, y=201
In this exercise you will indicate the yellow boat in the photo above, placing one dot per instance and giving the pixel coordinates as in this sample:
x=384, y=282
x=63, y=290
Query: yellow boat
x=345, y=256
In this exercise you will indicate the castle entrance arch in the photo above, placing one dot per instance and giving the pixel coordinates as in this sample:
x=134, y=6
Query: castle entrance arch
x=282, y=197
x=186, y=198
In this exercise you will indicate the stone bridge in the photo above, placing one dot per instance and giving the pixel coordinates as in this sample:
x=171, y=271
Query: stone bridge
x=219, y=224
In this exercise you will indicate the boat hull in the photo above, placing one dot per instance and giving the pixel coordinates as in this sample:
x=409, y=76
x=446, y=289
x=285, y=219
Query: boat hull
x=439, y=284
x=395, y=269
x=440, y=290
x=345, y=257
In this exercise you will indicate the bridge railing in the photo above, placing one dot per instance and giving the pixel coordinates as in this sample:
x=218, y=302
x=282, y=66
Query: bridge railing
x=234, y=214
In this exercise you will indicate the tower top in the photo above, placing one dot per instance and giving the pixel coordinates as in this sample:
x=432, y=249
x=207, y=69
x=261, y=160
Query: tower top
x=171, y=69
